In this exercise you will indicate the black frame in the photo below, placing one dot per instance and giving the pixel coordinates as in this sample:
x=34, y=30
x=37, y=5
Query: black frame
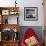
x=28, y=10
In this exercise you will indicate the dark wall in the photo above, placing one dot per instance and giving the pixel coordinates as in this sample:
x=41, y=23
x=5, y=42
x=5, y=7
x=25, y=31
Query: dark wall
x=37, y=29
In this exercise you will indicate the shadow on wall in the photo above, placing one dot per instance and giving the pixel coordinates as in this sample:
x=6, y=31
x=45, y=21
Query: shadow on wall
x=37, y=29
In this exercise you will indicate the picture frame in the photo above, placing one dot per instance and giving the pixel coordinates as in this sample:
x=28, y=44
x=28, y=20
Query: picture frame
x=12, y=12
x=5, y=12
x=30, y=13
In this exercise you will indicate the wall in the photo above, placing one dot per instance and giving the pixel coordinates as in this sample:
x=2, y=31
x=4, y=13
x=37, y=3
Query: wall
x=26, y=3
x=30, y=3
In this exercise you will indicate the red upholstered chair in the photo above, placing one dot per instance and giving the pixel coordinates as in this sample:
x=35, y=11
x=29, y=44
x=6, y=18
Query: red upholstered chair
x=29, y=34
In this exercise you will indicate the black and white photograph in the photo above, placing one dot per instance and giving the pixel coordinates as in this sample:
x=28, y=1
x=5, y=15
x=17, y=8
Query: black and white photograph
x=30, y=13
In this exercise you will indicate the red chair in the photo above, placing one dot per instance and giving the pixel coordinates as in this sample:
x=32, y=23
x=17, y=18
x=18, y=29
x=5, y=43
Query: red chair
x=29, y=33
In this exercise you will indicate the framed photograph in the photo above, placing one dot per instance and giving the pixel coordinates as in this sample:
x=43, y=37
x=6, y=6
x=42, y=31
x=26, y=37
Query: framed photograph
x=30, y=13
x=13, y=12
x=5, y=12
